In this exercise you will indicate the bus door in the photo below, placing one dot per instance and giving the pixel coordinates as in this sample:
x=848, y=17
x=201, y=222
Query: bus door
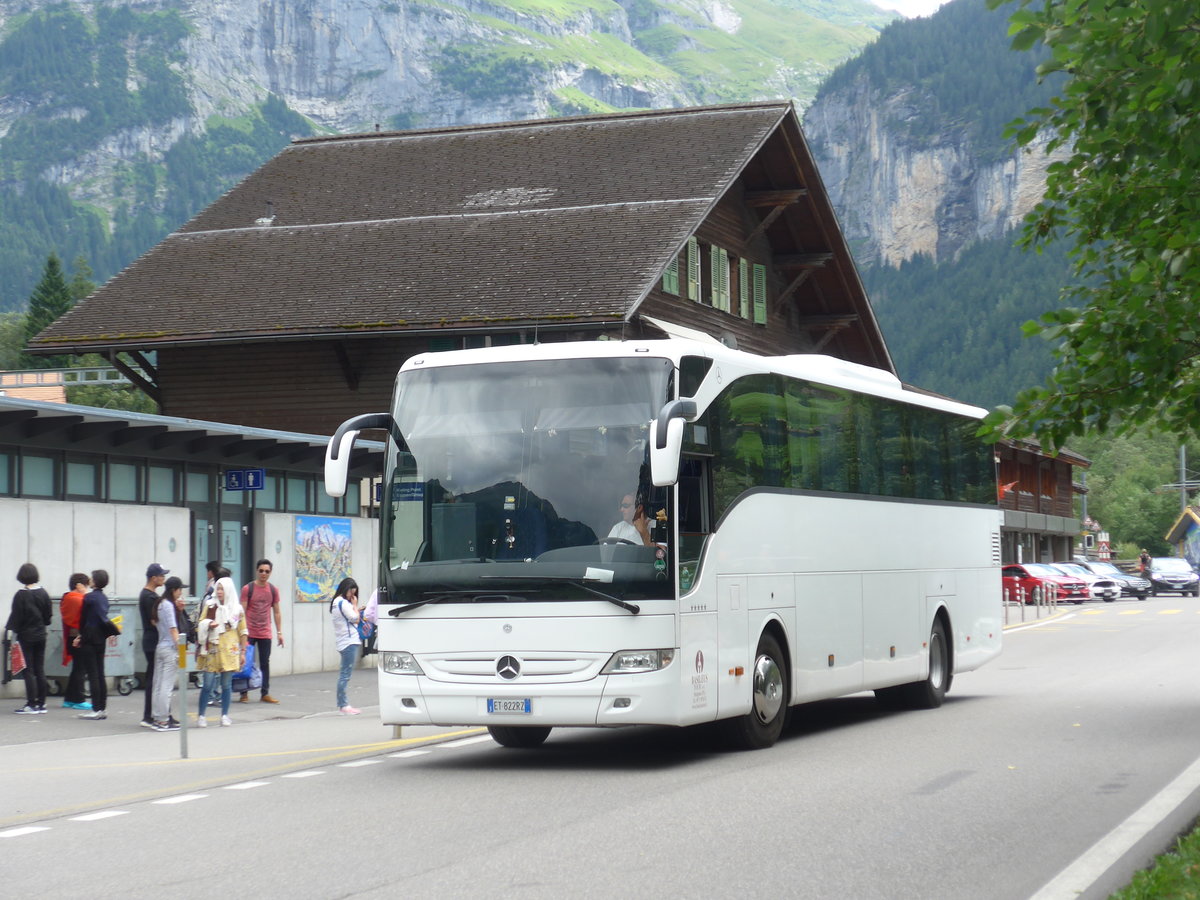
x=698, y=617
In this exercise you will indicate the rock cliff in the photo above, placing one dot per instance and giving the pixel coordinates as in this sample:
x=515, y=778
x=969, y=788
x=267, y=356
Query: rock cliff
x=898, y=195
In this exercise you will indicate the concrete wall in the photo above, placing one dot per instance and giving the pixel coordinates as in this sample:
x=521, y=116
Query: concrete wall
x=64, y=537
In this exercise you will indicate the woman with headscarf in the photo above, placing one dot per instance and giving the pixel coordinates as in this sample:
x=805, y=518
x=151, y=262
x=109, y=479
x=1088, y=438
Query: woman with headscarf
x=220, y=645
x=345, y=613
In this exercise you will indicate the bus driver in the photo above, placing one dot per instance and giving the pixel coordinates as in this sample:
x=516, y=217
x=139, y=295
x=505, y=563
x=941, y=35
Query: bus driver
x=634, y=526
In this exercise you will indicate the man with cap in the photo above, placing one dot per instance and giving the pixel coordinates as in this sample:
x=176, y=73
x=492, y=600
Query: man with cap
x=148, y=601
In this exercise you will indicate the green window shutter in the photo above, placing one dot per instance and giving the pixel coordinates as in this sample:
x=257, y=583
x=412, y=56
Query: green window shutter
x=693, y=269
x=760, y=295
x=744, y=288
x=723, y=278
x=714, y=277
x=671, y=277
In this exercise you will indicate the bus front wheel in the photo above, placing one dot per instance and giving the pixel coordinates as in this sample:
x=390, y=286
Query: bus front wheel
x=518, y=735
x=761, y=727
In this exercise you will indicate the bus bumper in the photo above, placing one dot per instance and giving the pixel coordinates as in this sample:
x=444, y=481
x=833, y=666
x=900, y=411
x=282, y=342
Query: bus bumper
x=649, y=698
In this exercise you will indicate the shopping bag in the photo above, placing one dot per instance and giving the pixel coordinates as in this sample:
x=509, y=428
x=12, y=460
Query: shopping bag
x=248, y=669
x=16, y=659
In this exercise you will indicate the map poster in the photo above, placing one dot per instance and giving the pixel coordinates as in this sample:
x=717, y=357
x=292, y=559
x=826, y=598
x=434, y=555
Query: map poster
x=322, y=557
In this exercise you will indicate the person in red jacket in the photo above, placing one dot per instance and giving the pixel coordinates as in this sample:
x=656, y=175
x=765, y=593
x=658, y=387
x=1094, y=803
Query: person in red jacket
x=70, y=607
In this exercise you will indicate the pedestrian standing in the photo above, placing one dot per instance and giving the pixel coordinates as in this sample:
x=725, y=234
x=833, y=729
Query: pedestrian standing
x=166, y=663
x=28, y=619
x=148, y=601
x=220, y=646
x=70, y=607
x=260, y=599
x=345, y=613
x=91, y=643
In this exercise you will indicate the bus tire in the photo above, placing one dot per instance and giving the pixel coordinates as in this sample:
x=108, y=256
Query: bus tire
x=930, y=693
x=518, y=735
x=762, y=726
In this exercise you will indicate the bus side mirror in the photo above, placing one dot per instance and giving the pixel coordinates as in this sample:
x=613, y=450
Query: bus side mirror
x=667, y=441
x=337, y=464
x=338, y=450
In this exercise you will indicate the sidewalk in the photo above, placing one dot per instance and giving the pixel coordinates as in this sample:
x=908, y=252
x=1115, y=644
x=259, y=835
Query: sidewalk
x=57, y=764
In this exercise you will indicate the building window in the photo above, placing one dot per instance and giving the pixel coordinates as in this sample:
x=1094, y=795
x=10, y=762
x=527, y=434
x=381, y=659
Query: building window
x=37, y=476
x=267, y=497
x=199, y=487
x=297, y=493
x=123, y=482
x=325, y=503
x=5, y=463
x=81, y=479
x=160, y=484
x=351, y=505
x=745, y=298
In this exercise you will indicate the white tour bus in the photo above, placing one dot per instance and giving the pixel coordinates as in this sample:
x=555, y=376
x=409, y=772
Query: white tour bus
x=671, y=532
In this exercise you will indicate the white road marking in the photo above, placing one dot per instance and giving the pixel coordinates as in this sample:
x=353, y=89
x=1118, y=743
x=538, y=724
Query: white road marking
x=359, y=762
x=97, y=816
x=405, y=754
x=1054, y=621
x=308, y=774
x=182, y=798
x=463, y=742
x=1096, y=860
x=20, y=832
x=246, y=785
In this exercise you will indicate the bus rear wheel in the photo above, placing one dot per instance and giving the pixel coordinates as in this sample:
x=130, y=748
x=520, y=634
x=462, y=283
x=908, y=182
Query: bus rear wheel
x=761, y=727
x=930, y=693
x=518, y=735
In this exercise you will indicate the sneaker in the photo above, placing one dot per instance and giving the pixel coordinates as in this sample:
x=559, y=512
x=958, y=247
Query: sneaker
x=166, y=726
x=171, y=720
x=41, y=710
x=350, y=711
x=86, y=704
x=245, y=698
x=225, y=720
x=147, y=723
x=158, y=726
x=201, y=722
x=94, y=714
x=26, y=711
x=267, y=698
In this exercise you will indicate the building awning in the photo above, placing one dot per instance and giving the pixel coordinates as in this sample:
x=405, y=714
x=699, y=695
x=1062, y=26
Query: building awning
x=39, y=425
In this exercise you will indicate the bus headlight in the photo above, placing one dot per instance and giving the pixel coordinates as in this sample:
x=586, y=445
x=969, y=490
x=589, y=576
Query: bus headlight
x=626, y=662
x=399, y=662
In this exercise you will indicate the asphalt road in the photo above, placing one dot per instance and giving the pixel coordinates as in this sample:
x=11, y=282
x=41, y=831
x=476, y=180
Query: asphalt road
x=1031, y=762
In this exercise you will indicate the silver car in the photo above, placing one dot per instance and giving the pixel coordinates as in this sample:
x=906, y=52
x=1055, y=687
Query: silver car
x=1099, y=586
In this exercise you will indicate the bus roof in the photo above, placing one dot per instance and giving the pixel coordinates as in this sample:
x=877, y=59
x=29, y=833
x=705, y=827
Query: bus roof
x=826, y=370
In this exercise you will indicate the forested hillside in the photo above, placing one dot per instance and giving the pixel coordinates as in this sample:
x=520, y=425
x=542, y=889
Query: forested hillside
x=120, y=120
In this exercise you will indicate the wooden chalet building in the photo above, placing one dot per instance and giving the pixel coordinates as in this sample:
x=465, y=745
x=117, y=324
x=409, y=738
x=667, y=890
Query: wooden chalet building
x=291, y=301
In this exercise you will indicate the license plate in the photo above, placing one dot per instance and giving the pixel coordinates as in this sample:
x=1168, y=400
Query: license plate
x=521, y=707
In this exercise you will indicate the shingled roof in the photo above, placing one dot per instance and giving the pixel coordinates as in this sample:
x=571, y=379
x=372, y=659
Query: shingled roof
x=567, y=220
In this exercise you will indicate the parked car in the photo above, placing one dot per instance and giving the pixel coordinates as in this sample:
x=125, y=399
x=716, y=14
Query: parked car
x=1131, y=585
x=1100, y=587
x=1172, y=575
x=1028, y=576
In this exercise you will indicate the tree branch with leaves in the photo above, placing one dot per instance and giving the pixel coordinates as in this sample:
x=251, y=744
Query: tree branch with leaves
x=1128, y=198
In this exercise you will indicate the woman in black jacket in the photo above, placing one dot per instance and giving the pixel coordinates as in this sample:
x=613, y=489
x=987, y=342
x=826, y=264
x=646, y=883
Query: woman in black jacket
x=90, y=643
x=28, y=619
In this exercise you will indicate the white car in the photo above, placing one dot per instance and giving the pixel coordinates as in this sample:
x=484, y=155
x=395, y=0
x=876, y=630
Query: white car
x=1099, y=587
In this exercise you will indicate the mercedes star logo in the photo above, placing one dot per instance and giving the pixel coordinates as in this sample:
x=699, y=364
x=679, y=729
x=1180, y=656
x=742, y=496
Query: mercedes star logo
x=508, y=667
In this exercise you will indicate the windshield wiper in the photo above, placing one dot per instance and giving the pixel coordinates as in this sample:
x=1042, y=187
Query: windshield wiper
x=577, y=582
x=439, y=596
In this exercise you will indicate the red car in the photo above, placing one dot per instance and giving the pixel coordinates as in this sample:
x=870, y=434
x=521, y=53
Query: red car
x=1027, y=576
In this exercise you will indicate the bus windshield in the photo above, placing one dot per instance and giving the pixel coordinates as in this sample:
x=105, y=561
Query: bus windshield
x=528, y=480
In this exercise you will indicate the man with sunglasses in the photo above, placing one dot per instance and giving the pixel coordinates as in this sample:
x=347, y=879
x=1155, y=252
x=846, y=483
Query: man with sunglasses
x=634, y=527
x=260, y=600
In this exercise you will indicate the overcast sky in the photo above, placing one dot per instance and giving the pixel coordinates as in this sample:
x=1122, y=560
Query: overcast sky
x=910, y=8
